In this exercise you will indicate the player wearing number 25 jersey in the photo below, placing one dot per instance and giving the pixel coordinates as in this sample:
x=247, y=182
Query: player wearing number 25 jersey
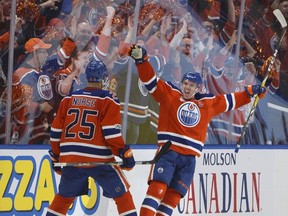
x=87, y=129
x=92, y=127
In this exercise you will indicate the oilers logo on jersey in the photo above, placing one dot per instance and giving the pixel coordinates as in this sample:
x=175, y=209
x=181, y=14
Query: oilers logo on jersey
x=45, y=87
x=188, y=114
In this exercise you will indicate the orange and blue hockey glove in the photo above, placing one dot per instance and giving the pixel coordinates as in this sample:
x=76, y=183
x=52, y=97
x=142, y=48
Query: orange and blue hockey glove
x=54, y=159
x=251, y=90
x=138, y=53
x=126, y=155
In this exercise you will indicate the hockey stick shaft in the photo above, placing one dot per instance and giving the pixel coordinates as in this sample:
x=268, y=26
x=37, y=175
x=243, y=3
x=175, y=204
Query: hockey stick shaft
x=162, y=151
x=283, y=23
x=255, y=103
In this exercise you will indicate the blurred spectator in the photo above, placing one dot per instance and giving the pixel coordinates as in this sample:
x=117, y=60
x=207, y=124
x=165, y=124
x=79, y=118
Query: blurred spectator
x=138, y=100
x=89, y=46
x=267, y=25
x=32, y=91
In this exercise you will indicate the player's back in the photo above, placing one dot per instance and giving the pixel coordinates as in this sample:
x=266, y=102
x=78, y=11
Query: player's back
x=83, y=119
x=87, y=127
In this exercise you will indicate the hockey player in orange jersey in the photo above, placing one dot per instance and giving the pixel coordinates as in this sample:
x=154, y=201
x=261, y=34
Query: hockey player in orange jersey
x=184, y=116
x=87, y=128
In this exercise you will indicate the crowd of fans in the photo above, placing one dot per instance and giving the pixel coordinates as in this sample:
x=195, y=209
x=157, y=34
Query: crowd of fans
x=55, y=39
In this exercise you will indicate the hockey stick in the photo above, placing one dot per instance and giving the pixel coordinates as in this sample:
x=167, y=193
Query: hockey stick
x=278, y=14
x=162, y=151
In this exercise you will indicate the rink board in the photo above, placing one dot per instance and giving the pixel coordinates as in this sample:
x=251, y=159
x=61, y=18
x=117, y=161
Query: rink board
x=252, y=182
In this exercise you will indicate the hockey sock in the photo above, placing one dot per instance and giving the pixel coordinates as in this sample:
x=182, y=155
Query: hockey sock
x=169, y=202
x=60, y=205
x=155, y=193
x=125, y=205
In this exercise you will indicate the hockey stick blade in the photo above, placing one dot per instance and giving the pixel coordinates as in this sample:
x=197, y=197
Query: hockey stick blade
x=162, y=151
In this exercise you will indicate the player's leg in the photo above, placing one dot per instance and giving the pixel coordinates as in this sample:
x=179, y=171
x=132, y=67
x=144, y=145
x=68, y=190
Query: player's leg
x=125, y=204
x=160, y=176
x=115, y=186
x=60, y=205
x=154, y=194
x=73, y=183
x=169, y=202
x=179, y=184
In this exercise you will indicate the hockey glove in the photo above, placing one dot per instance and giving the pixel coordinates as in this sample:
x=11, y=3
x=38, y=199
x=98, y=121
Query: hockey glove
x=126, y=155
x=251, y=90
x=138, y=53
x=54, y=158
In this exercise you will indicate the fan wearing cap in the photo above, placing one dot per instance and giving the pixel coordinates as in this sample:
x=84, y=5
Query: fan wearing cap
x=39, y=50
x=35, y=73
x=94, y=137
x=184, y=116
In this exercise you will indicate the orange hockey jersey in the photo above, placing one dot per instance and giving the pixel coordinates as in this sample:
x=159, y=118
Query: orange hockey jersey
x=87, y=127
x=185, y=122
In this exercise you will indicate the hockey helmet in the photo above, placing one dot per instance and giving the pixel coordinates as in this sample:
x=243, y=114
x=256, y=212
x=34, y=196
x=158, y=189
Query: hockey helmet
x=193, y=77
x=96, y=71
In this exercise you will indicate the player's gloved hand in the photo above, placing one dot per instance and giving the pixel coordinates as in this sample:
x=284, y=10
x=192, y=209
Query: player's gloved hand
x=138, y=53
x=126, y=155
x=251, y=90
x=54, y=158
